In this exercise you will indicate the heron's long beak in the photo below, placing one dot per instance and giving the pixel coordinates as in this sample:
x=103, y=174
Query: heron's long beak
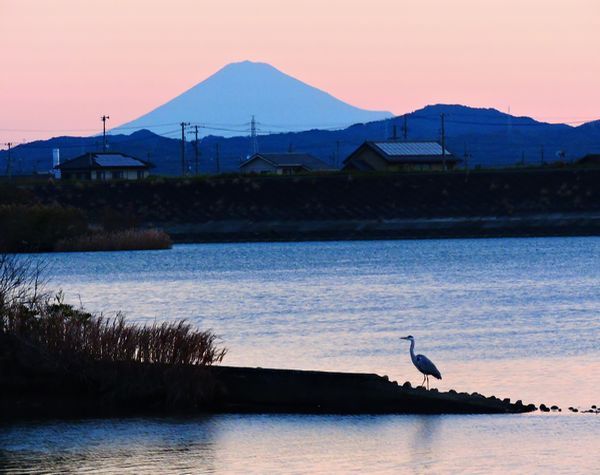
x=404, y=338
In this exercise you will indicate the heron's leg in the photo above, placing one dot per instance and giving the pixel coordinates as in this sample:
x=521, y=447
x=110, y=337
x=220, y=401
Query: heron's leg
x=427, y=382
x=423, y=382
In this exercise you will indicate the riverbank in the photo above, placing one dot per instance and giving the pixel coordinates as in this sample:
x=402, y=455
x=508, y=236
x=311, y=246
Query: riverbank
x=484, y=203
x=536, y=225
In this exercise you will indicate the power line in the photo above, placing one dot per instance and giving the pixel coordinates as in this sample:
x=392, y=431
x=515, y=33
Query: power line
x=29, y=145
x=238, y=127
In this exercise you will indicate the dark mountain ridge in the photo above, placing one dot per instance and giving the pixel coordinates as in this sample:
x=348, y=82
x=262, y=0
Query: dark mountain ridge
x=485, y=137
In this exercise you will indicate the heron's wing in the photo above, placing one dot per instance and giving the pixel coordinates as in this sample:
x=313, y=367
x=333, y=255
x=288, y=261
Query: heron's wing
x=426, y=366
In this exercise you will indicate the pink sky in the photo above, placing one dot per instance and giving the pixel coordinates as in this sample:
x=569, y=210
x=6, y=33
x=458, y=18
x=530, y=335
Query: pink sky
x=67, y=62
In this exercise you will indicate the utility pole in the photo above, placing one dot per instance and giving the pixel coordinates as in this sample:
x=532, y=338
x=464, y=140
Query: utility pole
x=183, y=125
x=405, y=128
x=104, y=118
x=218, y=157
x=253, y=139
x=196, y=148
x=443, y=116
x=394, y=133
x=8, y=161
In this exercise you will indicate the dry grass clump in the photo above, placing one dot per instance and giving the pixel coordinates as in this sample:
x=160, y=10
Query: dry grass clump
x=65, y=331
x=127, y=240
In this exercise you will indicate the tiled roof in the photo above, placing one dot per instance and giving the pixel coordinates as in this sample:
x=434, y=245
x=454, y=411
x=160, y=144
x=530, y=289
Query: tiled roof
x=117, y=160
x=99, y=160
x=410, y=149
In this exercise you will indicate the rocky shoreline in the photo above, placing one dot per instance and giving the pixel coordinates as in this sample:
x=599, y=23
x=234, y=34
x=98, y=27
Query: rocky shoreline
x=36, y=386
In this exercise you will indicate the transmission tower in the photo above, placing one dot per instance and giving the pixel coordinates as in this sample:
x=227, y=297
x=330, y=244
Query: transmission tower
x=253, y=139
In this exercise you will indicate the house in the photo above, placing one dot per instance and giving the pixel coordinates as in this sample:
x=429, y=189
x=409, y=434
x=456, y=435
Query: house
x=400, y=156
x=102, y=166
x=283, y=163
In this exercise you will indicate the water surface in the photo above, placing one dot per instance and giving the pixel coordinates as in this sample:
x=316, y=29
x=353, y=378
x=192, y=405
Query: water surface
x=517, y=318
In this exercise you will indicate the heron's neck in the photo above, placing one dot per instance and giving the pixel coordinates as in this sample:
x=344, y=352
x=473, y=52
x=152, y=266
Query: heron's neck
x=412, y=350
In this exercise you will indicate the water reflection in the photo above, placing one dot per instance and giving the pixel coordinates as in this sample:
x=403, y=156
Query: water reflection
x=423, y=449
x=305, y=444
x=119, y=446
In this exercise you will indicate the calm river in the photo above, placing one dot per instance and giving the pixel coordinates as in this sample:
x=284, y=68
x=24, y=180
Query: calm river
x=517, y=318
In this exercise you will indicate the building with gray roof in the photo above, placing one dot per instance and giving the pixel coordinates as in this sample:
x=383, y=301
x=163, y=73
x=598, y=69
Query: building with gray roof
x=400, y=156
x=283, y=164
x=104, y=166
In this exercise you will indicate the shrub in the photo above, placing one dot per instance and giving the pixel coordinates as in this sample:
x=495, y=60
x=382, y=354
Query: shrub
x=35, y=228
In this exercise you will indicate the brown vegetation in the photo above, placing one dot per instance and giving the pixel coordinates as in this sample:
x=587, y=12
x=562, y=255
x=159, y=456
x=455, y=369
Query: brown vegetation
x=68, y=333
x=127, y=240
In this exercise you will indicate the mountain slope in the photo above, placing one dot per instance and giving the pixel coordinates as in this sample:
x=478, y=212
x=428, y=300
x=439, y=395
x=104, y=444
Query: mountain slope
x=491, y=138
x=226, y=101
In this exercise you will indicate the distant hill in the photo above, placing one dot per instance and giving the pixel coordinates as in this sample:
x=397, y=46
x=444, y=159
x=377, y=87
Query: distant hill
x=491, y=138
x=225, y=102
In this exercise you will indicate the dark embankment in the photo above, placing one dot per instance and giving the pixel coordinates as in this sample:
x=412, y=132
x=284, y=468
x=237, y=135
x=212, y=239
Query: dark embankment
x=36, y=386
x=281, y=390
x=515, y=202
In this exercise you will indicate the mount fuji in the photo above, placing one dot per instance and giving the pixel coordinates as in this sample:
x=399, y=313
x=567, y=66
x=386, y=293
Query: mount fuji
x=224, y=104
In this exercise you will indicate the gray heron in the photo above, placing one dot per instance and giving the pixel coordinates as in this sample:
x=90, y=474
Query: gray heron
x=423, y=364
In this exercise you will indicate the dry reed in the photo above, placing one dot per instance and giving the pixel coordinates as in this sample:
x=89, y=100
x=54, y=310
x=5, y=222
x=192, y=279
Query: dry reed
x=68, y=332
